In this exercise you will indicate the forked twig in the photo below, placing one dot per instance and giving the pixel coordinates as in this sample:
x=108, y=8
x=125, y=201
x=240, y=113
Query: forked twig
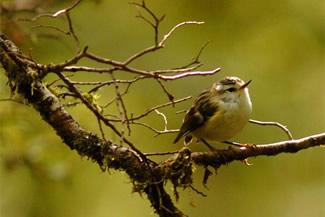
x=158, y=132
x=282, y=127
x=164, y=117
x=176, y=27
x=121, y=108
x=195, y=60
x=56, y=14
x=170, y=96
x=154, y=108
x=155, y=24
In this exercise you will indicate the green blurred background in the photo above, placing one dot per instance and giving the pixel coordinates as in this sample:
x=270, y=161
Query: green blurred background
x=277, y=44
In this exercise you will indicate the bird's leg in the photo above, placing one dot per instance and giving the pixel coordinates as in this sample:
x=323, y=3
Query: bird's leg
x=188, y=139
x=238, y=144
x=233, y=143
x=245, y=161
x=208, y=145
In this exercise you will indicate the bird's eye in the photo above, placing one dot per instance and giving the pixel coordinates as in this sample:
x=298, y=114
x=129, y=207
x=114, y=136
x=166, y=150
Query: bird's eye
x=232, y=89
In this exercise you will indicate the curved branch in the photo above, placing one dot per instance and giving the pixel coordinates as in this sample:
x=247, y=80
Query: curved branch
x=269, y=123
x=105, y=154
x=223, y=157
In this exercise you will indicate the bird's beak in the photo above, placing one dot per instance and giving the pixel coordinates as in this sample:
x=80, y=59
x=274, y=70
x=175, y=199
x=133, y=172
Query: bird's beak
x=245, y=85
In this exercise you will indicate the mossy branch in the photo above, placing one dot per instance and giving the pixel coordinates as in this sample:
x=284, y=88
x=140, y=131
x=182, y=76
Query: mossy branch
x=223, y=157
x=105, y=154
x=147, y=176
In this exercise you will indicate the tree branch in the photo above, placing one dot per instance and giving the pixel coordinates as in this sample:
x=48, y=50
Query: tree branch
x=223, y=157
x=105, y=154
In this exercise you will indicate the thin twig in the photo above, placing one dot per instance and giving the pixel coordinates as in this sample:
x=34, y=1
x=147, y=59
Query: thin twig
x=188, y=74
x=104, y=60
x=158, y=132
x=178, y=70
x=282, y=127
x=71, y=104
x=71, y=30
x=12, y=100
x=107, y=83
x=155, y=24
x=87, y=69
x=129, y=69
x=56, y=80
x=121, y=108
x=170, y=96
x=52, y=27
x=141, y=53
x=160, y=153
x=157, y=107
x=101, y=129
x=56, y=14
x=176, y=27
x=157, y=45
x=164, y=117
x=181, y=112
x=197, y=191
x=196, y=59
x=113, y=100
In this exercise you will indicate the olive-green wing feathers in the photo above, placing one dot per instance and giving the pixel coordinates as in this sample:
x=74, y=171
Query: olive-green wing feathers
x=192, y=121
x=198, y=114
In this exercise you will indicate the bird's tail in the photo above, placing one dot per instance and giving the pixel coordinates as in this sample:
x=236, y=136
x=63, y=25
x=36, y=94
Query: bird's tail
x=178, y=137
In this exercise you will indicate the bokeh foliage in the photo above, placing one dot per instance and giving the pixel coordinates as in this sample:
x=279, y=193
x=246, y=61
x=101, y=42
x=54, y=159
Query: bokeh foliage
x=277, y=44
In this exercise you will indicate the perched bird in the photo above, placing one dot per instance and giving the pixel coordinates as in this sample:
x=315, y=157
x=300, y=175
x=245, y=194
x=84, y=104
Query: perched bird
x=218, y=113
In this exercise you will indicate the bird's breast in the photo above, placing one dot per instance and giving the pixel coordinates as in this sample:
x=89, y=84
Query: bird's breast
x=229, y=120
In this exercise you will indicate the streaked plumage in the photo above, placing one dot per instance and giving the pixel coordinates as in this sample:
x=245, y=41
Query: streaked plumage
x=219, y=112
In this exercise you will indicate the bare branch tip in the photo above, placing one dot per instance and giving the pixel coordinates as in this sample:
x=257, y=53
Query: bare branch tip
x=282, y=127
x=162, y=17
x=85, y=49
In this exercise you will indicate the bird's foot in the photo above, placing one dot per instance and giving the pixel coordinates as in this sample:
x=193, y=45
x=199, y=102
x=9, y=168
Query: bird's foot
x=241, y=146
x=209, y=146
x=188, y=140
x=245, y=161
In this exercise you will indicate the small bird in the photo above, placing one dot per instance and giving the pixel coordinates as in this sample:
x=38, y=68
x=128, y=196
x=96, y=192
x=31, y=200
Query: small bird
x=218, y=113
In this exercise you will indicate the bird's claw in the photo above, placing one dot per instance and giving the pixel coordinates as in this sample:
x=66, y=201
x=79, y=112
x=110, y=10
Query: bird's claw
x=245, y=161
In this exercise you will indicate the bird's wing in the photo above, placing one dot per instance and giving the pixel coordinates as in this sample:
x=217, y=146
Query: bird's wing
x=192, y=121
x=198, y=114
